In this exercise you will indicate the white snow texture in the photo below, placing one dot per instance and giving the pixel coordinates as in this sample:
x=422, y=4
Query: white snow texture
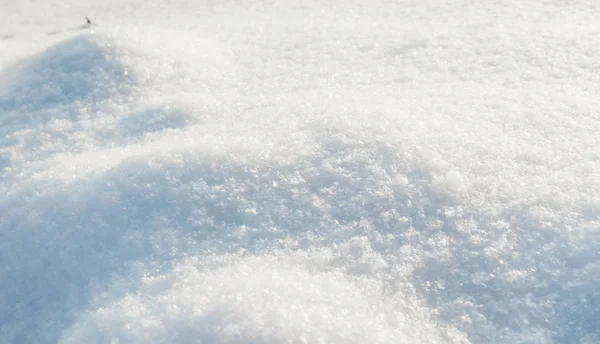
x=281, y=171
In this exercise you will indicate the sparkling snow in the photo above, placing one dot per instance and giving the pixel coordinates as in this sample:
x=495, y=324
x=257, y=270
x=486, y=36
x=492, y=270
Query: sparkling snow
x=300, y=172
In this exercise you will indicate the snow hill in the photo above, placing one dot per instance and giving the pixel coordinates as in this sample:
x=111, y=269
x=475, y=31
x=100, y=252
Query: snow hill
x=284, y=172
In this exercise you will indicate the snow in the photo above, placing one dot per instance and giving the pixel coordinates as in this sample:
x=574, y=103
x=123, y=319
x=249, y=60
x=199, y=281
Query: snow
x=303, y=172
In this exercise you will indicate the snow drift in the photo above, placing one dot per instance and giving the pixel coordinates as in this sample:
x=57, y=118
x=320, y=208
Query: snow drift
x=272, y=183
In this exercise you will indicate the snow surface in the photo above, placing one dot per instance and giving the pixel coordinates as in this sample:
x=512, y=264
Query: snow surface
x=351, y=171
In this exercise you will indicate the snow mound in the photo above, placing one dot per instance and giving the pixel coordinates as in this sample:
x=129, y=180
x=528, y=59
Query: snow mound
x=50, y=101
x=258, y=299
x=83, y=69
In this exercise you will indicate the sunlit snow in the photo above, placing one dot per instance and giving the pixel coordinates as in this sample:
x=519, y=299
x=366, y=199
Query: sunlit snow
x=300, y=171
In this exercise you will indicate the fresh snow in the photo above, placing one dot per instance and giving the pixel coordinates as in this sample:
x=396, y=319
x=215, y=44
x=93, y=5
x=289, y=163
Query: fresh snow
x=350, y=171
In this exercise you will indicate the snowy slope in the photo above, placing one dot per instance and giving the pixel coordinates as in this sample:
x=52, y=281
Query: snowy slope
x=302, y=172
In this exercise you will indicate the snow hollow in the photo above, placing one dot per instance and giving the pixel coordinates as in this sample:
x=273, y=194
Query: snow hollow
x=276, y=172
